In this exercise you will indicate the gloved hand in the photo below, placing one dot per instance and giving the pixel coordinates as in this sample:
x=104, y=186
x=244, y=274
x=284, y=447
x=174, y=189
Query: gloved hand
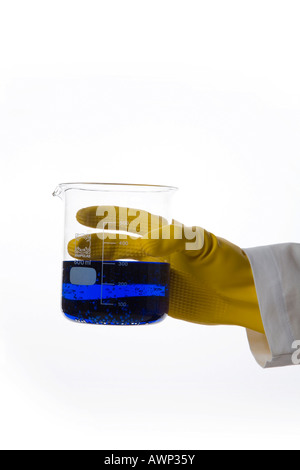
x=212, y=283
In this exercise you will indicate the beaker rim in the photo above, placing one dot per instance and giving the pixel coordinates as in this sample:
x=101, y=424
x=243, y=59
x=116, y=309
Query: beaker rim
x=115, y=187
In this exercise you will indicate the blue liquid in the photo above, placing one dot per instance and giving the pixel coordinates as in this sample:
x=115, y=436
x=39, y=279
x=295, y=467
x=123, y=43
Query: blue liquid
x=115, y=293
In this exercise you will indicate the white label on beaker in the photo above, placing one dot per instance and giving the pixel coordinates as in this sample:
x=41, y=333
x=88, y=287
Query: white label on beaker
x=83, y=276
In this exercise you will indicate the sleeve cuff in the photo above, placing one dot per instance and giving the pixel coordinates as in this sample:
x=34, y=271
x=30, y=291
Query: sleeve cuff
x=275, y=348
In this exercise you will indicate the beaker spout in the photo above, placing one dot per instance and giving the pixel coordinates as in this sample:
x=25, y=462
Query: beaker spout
x=58, y=192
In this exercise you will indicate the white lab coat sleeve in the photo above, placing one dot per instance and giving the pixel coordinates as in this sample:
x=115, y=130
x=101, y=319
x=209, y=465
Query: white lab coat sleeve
x=276, y=272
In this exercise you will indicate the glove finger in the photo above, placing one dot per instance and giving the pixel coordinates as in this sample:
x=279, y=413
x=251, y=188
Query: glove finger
x=120, y=218
x=174, y=238
x=97, y=246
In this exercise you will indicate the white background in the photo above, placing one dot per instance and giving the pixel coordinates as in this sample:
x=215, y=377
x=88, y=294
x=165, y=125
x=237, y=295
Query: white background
x=201, y=95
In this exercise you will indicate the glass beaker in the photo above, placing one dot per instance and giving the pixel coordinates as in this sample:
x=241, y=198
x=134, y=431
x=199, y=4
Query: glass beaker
x=106, y=280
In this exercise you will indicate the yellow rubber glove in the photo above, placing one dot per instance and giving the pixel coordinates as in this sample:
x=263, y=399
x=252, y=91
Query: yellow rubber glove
x=210, y=284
